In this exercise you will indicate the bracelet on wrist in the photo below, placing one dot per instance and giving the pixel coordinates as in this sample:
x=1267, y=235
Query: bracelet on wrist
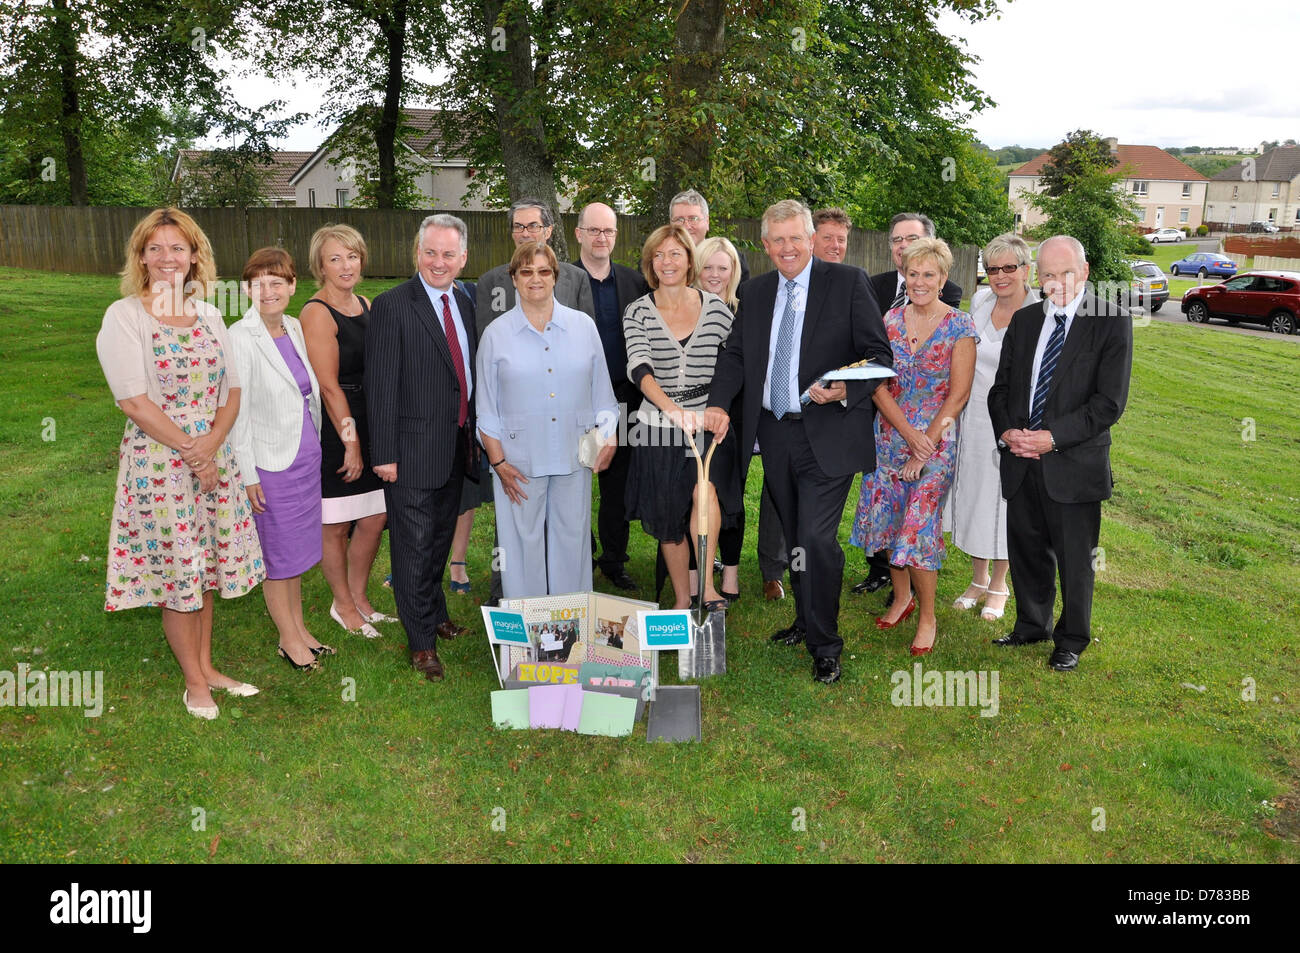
x=497, y=464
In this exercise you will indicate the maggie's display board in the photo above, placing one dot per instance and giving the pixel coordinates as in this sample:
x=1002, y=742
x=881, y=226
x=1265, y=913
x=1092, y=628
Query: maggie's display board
x=573, y=628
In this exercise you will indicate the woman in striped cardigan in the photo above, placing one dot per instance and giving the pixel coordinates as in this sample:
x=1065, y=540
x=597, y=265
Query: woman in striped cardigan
x=673, y=336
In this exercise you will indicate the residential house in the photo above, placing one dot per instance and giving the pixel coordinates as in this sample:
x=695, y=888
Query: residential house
x=278, y=191
x=1265, y=189
x=326, y=179
x=1167, y=191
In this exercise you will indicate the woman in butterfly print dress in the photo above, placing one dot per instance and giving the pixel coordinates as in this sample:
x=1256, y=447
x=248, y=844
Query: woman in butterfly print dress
x=182, y=526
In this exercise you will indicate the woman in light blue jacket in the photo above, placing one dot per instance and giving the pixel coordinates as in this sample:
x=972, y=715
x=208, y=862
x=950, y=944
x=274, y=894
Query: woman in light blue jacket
x=277, y=441
x=541, y=384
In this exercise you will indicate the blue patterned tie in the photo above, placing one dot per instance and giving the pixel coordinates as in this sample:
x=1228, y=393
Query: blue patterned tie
x=1045, y=371
x=778, y=394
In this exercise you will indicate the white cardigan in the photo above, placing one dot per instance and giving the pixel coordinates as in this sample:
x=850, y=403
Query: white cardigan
x=268, y=429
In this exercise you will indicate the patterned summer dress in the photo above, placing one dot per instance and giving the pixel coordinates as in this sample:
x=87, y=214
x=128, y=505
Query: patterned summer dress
x=904, y=518
x=169, y=543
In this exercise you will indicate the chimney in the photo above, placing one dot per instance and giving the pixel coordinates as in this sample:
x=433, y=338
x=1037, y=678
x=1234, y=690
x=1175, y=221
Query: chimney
x=1113, y=143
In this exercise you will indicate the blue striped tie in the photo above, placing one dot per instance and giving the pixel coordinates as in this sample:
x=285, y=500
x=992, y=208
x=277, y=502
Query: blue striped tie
x=778, y=394
x=1045, y=371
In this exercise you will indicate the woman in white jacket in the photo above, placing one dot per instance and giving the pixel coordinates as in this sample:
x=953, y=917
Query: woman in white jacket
x=277, y=441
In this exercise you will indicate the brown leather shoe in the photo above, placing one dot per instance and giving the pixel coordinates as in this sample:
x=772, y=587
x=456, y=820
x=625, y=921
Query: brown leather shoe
x=426, y=661
x=773, y=590
x=449, y=630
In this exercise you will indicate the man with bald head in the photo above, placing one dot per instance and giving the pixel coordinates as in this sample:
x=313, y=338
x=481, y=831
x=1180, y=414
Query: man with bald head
x=1061, y=384
x=613, y=288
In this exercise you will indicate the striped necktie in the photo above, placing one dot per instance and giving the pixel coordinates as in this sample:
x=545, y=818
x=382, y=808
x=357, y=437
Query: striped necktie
x=900, y=299
x=1045, y=371
x=778, y=394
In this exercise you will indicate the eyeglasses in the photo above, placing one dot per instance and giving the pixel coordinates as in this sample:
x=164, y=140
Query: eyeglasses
x=533, y=229
x=527, y=272
x=688, y=219
x=1002, y=269
x=600, y=232
x=903, y=239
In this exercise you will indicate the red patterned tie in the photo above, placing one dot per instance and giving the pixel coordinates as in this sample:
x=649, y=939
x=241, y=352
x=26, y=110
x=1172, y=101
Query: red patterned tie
x=457, y=360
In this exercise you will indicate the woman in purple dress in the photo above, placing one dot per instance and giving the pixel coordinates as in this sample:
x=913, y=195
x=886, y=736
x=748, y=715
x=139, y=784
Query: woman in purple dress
x=277, y=440
x=901, y=504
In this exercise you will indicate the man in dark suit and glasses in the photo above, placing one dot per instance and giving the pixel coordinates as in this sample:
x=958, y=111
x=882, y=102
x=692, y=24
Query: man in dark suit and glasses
x=613, y=288
x=1061, y=384
x=420, y=349
x=891, y=292
x=795, y=323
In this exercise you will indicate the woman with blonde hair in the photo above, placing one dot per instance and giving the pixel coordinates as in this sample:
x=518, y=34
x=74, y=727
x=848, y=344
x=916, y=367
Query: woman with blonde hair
x=352, y=506
x=978, y=513
x=182, y=526
x=901, y=503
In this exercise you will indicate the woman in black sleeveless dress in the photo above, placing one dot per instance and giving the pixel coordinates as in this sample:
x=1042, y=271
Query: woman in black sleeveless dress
x=353, y=516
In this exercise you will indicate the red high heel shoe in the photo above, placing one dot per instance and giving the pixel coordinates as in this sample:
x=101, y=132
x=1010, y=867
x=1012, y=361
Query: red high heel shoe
x=882, y=624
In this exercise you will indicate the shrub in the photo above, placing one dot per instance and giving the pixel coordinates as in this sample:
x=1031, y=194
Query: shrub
x=1202, y=229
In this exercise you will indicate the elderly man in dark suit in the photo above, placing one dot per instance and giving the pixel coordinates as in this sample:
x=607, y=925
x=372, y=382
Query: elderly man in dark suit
x=420, y=350
x=795, y=323
x=613, y=288
x=1061, y=384
x=891, y=292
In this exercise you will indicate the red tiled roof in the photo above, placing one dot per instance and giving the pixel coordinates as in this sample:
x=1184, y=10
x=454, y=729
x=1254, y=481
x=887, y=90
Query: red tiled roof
x=283, y=166
x=1140, y=162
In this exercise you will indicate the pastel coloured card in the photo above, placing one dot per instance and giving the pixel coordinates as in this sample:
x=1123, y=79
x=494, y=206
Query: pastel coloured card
x=546, y=706
x=510, y=708
x=572, y=717
x=606, y=715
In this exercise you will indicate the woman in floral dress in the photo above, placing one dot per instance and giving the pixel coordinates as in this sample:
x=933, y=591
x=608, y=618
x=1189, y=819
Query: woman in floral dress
x=901, y=502
x=182, y=527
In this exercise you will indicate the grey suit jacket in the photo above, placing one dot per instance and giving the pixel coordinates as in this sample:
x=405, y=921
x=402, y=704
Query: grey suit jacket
x=495, y=293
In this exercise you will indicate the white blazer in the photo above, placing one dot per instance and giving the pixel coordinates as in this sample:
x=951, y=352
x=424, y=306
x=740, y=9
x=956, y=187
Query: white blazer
x=268, y=430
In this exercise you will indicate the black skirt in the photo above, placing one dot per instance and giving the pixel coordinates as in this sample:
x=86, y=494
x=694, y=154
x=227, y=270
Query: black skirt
x=662, y=477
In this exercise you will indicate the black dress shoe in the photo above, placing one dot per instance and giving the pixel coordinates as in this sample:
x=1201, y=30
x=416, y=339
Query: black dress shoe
x=1063, y=660
x=1015, y=638
x=449, y=630
x=620, y=578
x=826, y=670
x=870, y=584
x=792, y=635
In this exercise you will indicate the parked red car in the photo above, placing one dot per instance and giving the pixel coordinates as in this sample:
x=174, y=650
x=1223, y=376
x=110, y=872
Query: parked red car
x=1270, y=298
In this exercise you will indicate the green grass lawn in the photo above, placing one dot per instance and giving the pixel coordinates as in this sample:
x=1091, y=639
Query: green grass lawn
x=1176, y=741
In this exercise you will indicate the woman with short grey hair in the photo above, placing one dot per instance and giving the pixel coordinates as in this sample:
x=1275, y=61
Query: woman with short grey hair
x=978, y=511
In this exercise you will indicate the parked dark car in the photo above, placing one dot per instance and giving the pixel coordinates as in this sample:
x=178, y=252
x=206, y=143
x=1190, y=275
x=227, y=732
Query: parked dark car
x=1203, y=264
x=1270, y=298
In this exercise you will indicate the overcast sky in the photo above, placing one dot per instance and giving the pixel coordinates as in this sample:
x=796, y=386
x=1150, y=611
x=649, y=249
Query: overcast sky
x=1150, y=72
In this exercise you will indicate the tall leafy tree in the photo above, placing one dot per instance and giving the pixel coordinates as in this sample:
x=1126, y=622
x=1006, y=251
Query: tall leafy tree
x=87, y=76
x=1088, y=204
x=362, y=50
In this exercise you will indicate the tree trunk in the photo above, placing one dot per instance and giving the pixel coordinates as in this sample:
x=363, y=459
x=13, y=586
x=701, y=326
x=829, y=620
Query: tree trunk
x=529, y=166
x=70, y=109
x=698, y=42
x=394, y=31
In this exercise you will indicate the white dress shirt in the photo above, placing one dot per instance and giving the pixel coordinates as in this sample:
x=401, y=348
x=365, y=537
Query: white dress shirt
x=1050, y=309
x=778, y=310
x=435, y=299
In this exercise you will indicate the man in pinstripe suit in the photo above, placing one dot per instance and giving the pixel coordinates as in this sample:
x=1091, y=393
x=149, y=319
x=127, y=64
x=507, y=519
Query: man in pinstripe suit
x=420, y=349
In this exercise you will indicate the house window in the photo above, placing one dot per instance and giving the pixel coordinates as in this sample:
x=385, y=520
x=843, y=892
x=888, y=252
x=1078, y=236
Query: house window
x=311, y=198
x=1183, y=214
x=1187, y=190
x=1272, y=216
x=1209, y=213
x=1277, y=189
x=1139, y=188
x=1297, y=216
x=340, y=198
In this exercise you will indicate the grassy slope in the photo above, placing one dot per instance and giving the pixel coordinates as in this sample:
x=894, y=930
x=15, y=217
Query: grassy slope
x=1202, y=571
